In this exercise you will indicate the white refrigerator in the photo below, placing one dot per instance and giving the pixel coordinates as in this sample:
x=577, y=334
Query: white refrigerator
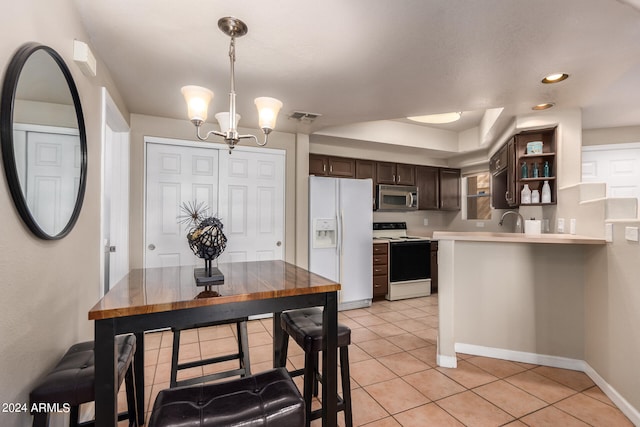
x=341, y=236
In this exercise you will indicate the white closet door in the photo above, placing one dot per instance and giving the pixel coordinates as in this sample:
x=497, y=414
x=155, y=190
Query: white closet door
x=252, y=205
x=176, y=174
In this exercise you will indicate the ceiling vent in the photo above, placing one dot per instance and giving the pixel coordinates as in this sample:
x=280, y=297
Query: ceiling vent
x=303, y=116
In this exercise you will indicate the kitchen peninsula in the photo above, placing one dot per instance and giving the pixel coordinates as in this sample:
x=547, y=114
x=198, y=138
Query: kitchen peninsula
x=512, y=296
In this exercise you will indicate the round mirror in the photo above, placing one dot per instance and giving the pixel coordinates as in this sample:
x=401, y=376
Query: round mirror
x=44, y=145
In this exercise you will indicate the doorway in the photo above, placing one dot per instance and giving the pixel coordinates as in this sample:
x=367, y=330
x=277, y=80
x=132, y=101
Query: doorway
x=115, y=194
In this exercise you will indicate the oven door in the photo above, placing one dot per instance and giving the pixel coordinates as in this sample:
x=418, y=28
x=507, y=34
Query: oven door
x=410, y=260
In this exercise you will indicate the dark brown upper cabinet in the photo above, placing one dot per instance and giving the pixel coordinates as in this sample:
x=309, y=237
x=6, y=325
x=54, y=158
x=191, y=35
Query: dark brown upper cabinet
x=339, y=167
x=395, y=173
x=450, y=191
x=428, y=181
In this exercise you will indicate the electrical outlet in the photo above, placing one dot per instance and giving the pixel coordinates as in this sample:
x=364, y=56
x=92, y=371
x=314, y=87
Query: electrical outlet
x=425, y=221
x=560, y=227
x=608, y=232
x=572, y=226
x=631, y=234
x=480, y=224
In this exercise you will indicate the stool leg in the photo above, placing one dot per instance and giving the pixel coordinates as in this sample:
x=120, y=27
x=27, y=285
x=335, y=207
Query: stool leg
x=346, y=385
x=73, y=416
x=310, y=360
x=174, y=358
x=40, y=419
x=284, y=348
x=132, y=407
x=243, y=348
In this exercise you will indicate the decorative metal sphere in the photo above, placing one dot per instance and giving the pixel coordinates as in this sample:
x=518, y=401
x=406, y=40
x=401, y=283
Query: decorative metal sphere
x=207, y=241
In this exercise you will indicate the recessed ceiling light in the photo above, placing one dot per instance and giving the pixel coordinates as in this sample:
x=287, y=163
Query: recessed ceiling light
x=544, y=106
x=437, y=118
x=555, y=78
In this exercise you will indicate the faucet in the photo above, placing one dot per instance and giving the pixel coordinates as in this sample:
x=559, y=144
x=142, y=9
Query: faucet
x=519, y=221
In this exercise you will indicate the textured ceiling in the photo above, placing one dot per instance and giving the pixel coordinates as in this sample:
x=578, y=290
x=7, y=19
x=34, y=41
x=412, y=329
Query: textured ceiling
x=364, y=60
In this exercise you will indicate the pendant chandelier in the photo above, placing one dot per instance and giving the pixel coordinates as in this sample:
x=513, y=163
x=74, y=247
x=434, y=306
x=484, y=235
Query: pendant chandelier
x=198, y=99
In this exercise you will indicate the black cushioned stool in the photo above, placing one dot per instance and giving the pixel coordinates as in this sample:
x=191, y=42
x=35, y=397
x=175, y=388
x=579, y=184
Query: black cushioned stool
x=305, y=327
x=72, y=381
x=244, y=366
x=269, y=399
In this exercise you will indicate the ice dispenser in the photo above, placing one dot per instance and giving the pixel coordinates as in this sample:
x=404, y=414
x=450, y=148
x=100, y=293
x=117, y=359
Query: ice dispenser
x=324, y=233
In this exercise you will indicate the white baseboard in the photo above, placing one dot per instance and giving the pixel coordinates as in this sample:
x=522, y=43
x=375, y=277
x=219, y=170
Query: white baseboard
x=632, y=413
x=556, y=362
x=521, y=356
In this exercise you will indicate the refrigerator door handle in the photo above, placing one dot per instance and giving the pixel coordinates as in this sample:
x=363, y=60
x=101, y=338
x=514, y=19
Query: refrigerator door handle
x=341, y=227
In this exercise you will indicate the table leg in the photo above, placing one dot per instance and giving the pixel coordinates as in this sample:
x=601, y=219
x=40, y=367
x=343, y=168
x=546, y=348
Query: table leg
x=106, y=372
x=138, y=367
x=330, y=361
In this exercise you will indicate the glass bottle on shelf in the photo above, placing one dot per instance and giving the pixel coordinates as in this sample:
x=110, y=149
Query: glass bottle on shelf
x=535, y=170
x=524, y=172
x=545, y=170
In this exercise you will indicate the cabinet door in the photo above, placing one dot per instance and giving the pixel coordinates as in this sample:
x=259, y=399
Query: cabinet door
x=318, y=165
x=450, y=189
x=342, y=167
x=427, y=179
x=512, y=196
x=405, y=174
x=386, y=173
x=366, y=169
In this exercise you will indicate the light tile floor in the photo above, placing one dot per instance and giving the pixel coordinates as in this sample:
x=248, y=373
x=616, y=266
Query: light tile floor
x=395, y=379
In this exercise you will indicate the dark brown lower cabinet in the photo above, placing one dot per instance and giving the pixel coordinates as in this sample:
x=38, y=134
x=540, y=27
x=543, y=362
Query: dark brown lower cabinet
x=380, y=270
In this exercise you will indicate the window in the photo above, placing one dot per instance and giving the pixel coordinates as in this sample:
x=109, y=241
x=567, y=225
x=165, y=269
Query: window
x=478, y=196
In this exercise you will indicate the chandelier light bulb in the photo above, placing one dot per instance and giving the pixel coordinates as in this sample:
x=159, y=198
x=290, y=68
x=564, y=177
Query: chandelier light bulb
x=198, y=99
x=268, y=109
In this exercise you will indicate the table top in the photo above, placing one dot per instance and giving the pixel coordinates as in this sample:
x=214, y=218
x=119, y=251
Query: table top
x=153, y=290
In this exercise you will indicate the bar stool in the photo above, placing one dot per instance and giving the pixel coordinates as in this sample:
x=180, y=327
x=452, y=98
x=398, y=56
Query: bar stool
x=244, y=366
x=269, y=399
x=72, y=382
x=305, y=327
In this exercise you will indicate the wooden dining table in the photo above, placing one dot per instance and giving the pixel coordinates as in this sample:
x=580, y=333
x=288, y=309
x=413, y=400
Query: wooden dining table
x=156, y=298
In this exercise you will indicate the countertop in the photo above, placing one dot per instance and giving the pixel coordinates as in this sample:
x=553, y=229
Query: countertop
x=482, y=236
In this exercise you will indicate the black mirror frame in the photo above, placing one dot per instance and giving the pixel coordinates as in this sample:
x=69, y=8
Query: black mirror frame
x=9, y=88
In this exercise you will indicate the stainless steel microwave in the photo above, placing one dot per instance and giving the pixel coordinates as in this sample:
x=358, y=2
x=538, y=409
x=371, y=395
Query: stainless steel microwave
x=397, y=198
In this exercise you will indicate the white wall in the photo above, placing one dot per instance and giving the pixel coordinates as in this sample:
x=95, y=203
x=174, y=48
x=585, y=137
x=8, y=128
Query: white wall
x=47, y=286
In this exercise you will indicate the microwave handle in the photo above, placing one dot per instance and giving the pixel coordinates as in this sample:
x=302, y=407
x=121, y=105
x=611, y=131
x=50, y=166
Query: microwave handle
x=410, y=198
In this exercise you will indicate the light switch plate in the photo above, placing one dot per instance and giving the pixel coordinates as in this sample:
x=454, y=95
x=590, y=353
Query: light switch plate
x=631, y=233
x=608, y=232
x=572, y=226
x=560, y=227
x=425, y=221
x=480, y=224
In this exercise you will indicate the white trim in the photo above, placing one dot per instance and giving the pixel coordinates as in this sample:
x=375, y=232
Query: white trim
x=30, y=127
x=611, y=147
x=547, y=360
x=446, y=361
x=521, y=356
x=632, y=413
x=212, y=145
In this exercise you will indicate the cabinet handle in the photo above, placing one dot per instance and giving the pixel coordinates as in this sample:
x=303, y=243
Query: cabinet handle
x=394, y=177
x=398, y=178
x=324, y=168
x=331, y=169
